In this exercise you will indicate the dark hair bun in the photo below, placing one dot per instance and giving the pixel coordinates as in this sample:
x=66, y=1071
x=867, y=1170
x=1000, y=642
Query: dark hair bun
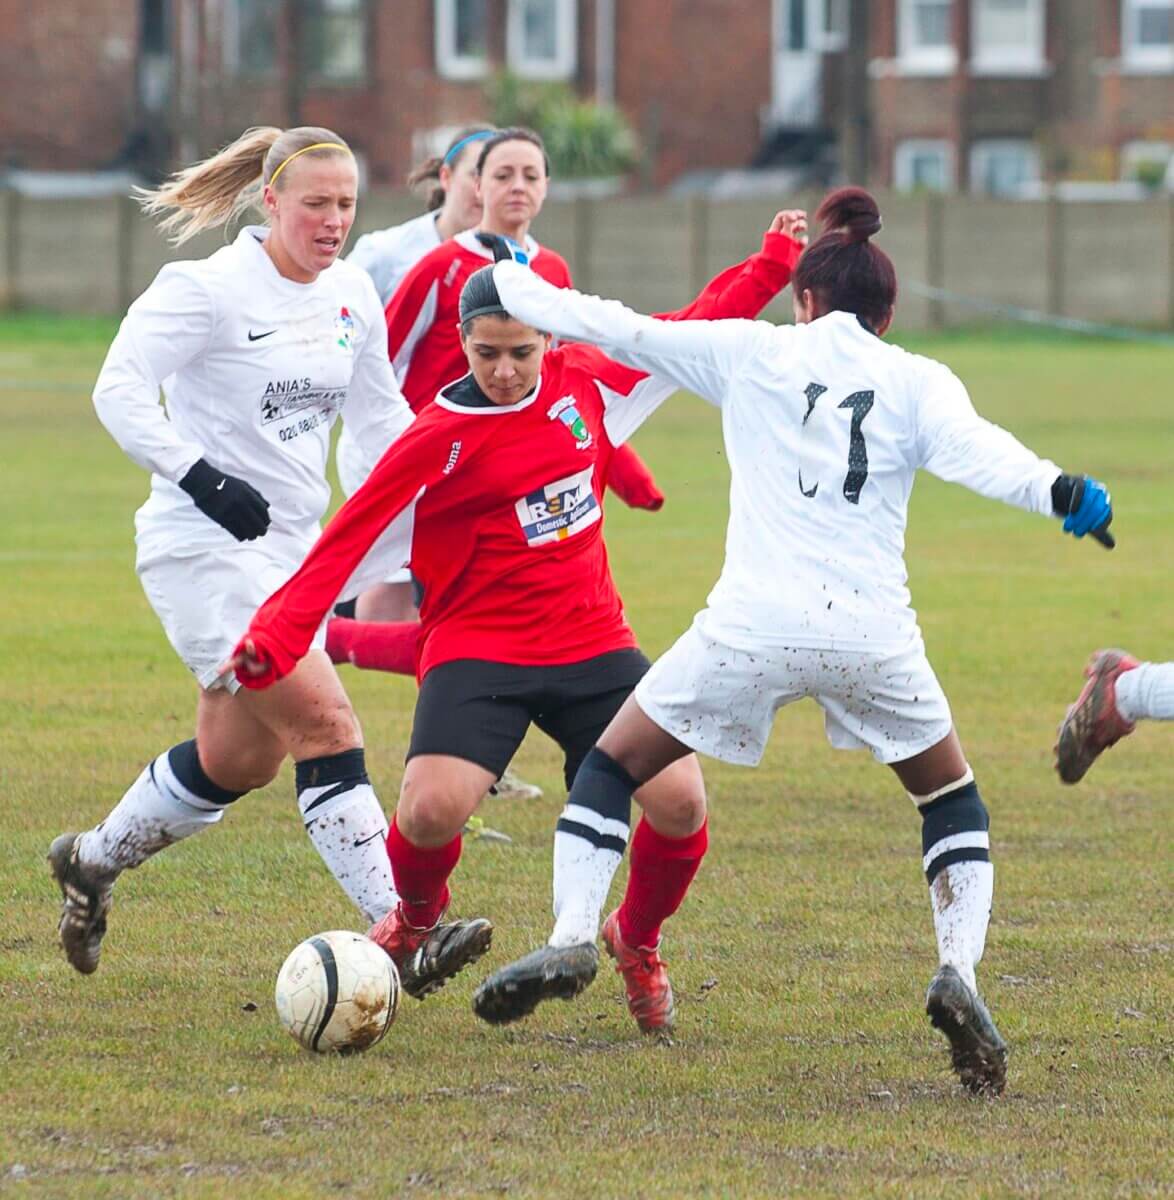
x=851, y=211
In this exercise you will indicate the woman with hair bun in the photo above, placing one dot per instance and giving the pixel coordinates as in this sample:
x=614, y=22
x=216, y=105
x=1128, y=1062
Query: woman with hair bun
x=258, y=349
x=825, y=427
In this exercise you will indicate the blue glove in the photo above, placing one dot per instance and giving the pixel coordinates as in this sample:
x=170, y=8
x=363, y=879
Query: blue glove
x=1085, y=505
x=504, y=248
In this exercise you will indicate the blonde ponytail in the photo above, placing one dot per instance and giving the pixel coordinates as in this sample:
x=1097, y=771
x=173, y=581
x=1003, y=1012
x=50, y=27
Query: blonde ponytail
x=218, y=189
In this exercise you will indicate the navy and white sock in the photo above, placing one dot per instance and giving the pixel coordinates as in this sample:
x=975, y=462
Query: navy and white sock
x=347, y=825
x=956, y=844
x=172, y=799
x=589, y=842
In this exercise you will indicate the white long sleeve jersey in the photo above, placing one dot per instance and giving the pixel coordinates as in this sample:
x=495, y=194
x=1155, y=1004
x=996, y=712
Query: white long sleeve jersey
x=387, y=255
x=825, y=426
x=254, y=369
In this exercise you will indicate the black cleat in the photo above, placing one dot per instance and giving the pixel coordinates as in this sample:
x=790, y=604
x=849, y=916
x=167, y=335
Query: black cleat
x=548, y=973
x=86, y=899
x=428, y=958
x=978, y=1051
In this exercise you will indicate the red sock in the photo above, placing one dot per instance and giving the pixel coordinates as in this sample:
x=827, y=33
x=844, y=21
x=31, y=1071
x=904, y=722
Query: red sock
x=421, y=876
x=632, y=481
x=659, y=876
x=374, y=645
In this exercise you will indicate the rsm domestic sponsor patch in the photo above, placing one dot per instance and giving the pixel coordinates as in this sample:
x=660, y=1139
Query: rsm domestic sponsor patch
x=558, y=510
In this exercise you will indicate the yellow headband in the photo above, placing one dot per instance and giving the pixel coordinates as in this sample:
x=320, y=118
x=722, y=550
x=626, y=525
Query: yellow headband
x=306, y=150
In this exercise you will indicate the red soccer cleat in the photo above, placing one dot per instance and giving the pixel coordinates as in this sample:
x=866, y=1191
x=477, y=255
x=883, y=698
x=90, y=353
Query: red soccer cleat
x=428, y=958
x=646, y=979
x=1093, y=723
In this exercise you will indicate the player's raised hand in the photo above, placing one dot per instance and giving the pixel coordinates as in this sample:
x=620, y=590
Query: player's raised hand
x=1086, y=506
x=504, y=248
x=792, y=222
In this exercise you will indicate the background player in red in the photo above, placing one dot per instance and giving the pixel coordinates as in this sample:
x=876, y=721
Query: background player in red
x=521, y=621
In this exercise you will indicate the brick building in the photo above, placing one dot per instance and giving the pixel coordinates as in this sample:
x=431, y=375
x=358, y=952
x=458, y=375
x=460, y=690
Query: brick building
x=982, y=94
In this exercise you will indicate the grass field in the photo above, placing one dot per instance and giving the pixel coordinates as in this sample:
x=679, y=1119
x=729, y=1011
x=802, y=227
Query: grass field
x=803, y=1063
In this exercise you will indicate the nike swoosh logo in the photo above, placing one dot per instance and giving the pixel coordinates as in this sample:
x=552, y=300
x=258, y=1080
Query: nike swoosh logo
x=256, y=337
x=220, y=485
x=369, y=839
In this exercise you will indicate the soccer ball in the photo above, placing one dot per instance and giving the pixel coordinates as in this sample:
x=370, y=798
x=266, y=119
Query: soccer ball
x=337, y=991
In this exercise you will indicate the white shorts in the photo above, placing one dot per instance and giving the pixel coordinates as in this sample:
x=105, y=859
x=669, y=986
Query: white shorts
x=721, y=702
x=207, y=597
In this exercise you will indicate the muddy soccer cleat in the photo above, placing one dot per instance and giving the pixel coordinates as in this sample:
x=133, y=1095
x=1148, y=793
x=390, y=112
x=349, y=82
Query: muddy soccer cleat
x=86, y=899
x=646, y=979
x=514, y=787
x=428, y=958
x=548, y=973
x=1093, y=723
x=978, y=1051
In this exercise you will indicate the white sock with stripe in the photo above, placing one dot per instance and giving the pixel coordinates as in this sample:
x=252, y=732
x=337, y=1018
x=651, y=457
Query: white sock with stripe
x=348, y=827
x=956, y=859
x=588, y=848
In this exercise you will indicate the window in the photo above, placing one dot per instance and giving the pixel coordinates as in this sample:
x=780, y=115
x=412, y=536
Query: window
x=1147, y=35
x=462, y=48
x=810, y=25
x=1003, y=166
x=924, y=164
x=541, y=38
x=925, y=43
x=835, y=24
x=1007, y=36
x=1146, y=162
x=334, y=40
x=250, y=36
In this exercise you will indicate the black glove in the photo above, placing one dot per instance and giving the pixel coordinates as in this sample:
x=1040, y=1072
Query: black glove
x=504, y=249
x=1086, y=507
x=230, y=502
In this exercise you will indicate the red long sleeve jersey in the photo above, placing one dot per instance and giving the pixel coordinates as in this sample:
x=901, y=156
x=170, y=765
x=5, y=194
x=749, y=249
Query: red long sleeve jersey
x=423, y=315
x=509, y=524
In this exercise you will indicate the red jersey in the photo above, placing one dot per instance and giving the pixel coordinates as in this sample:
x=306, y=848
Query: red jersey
x=508, y=538
x=423, y=315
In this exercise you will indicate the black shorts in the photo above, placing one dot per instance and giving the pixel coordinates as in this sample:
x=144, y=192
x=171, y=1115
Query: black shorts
x=480, y=711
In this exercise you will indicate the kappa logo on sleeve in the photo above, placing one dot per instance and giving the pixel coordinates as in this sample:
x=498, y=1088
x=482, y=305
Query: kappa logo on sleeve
x=559, y=510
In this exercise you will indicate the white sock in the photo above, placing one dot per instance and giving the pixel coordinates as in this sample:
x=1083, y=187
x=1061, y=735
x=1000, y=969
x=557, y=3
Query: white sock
x=156, y=811
x=588, y=848
x=349, y=831
x=961, y=895
x=1146, y=692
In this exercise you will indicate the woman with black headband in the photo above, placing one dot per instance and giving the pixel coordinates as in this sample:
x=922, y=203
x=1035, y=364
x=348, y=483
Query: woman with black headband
x=521, y=620
x=259, y=349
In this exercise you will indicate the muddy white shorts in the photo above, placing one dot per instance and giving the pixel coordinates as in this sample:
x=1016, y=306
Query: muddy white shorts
x=722, y=701
x=207, y=597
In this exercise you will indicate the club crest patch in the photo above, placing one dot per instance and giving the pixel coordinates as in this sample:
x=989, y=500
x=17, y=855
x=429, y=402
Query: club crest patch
x=569, y=415
x=344, y=330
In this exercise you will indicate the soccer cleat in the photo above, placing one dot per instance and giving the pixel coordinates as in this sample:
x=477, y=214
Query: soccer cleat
x=646, y=979
x=548, y=973
x=512, y=787
x=978, y=1052
x=428, y=958
x=86, y=899
x=1093, y=723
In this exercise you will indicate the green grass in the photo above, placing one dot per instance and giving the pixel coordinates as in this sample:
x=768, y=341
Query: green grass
x=803, y=1064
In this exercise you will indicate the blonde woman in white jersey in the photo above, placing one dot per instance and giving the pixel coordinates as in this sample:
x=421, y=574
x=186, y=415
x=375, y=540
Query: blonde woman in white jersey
x=825, y=426
x=258, y=349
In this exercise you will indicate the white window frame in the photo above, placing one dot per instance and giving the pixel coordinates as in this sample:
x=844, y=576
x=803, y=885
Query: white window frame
x=566, y=58
x=450, y=64
x=1009, y=60
x=910, y=148
x=230, y=46
x=985, y=148
x=914, y=58
x=1159, y=59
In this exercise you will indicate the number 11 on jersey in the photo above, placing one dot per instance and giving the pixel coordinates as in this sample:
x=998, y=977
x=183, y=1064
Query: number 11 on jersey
x=860, y=404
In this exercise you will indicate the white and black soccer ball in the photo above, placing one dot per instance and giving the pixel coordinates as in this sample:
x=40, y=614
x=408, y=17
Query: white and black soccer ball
x=337, y=991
